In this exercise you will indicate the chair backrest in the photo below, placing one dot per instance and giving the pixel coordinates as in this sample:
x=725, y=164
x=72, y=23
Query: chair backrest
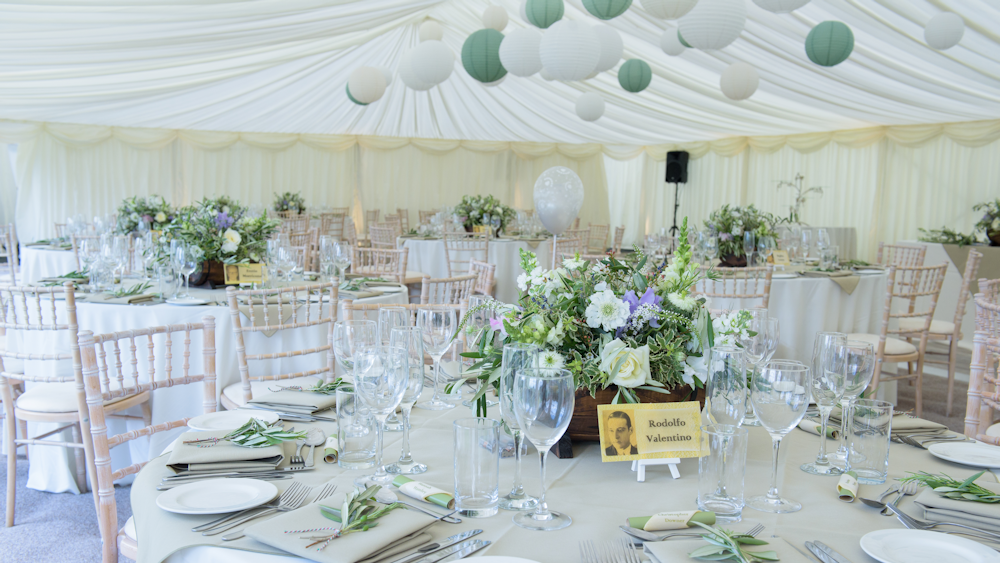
x=913, y=286
x=60, y=229
x=426, y=214
x=350, y=232
x=616, y=245
x=8, y=250
x=404, y=218
x=295, y=224
x=76, y=240
x=340, y=210
x=990, y=290
x=485, y=274
x=568, y=245
x=737, y=283
x=359, y=311
x=289, y=214
x=381, y=262
x=39, y=309
x=106, y=380
x=382, y=237
x=461, y=247
x=576, y=224
x=371, y=217
x=971, y=268
x=309, y=241
x=597, y=238
x=901, y=255
x=332, y=224
x=393, y=221
x=984, y=378
x=280, y=309
x=447, y=291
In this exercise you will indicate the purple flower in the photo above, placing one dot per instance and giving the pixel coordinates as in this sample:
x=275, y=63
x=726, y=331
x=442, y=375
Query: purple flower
x=725, y=237
x=634, y=302
x=223, y=221
x=497, y=324
x=147, y=218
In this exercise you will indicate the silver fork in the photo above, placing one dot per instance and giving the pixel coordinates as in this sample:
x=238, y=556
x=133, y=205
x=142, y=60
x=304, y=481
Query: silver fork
x=327, y=490
x=906, y=489
x=273, y=504
x=293, y=501
x=915, y=524
x=297, y=459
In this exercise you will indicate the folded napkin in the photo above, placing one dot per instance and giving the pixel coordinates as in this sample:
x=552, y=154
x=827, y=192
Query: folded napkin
x=296, y=401
x=363, y=294
x=903, y=424
x=396, y=528
x=846, y=279
x=223, y=456
x=109, y=299
x=978, y=514
x=61, y=280
x=813, y=427
x=662, y=521
x=677, y=550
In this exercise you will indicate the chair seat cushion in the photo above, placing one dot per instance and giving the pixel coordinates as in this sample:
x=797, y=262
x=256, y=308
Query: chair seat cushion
x=51, y=397
x=893, y=346
x=234, y=392
x=129, y=528
x=937, y=327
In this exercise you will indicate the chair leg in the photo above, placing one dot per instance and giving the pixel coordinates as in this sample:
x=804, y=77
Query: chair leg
x=81, y=460
x=920, y=387
x=11, y=468
x=952, y=353
x=22, y=427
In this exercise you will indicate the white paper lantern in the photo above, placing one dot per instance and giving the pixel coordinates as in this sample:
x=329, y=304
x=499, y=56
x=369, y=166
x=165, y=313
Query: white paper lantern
x=714, y=24
x=524, y=11
x=558, y=198
x=668, y=9
x=546, y=75
x=944, y=31
x=387, y=74
x=611, y=47
x=431, y=31
x=408, y=76
x=495, y=17
x=432, y=62
x=779, y=6
x=589, y=107
x=670, y=44
x=367, y=84
x=739, y=81
x=519, y=51
x=570, y=50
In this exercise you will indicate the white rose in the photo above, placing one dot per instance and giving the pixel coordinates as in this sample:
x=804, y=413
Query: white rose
x=634, y=368
x=996, y=224
x=232, y=239
x=161, y=217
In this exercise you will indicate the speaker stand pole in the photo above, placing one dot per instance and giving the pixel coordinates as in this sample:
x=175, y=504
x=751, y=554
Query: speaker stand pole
x=677, y=204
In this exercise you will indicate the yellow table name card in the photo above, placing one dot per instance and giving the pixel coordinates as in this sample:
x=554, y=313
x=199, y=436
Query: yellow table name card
x=650, y=431
x=244, y=273
x=780, y=258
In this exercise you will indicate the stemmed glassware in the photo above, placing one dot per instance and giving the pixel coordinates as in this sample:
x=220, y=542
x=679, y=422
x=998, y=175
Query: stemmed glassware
x=516, y=357
x=758, y=350
x=341, y=253
x=351, y=336
x=807, y=242
x=543, y=404
x=827, y=389
x=726, y=387
x=409, y=337
x=186, y=260
x=822, y=239
x=327, y=267
x=390, y=318
x=794, y=237
x=437, y=325
x=381, y=374
x=857, y=360
x=749, y=246
x=711, y=248
x=765, y=247
x=780, y=395
x=287, y=261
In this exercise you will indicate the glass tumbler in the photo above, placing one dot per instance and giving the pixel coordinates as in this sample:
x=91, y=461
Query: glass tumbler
x=477, y=467
x=722, y=471
x=868, y=441
x=356, y=431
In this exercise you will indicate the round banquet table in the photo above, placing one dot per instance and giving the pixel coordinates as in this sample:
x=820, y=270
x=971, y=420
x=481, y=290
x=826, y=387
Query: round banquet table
x=598, y=496
x=427, y=256
x=52, y=469
x=43, y=262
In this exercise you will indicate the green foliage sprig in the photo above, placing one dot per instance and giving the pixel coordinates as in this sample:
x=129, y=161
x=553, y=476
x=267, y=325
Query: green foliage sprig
x=254, y=434
x=944, y=235
x=136, y=289
x=358, y=513
x=152, y=210
x=726, y=545
x=320, y=387
x=222, y=229
x=730, y=222
x=954, y=489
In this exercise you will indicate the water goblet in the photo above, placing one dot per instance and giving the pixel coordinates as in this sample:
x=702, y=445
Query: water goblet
x=516, y=357
x=437, y=326
x=381, y=374
x=858, y=365
x=711, y=248
x=409, y=337
x=186, y=260
x=807, y=243
x=341, y=257
x=349, y=337
x=726, y=386
x=827, y=389
x=749, y=245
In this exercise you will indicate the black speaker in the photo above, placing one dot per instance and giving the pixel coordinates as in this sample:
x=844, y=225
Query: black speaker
x=677, y=167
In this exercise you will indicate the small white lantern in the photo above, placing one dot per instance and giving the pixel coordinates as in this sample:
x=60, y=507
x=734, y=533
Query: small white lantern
x=519, y=51
x=739, y=81
x=670, y=44
x=714, y=24
x=432, y=62
x=589, y=107
x=546, y=75
x=944, y=31
x=611, y=47
x=668, y=9
x=367, y=84
x=570, y=50
x=431, y=31
x=408, y=76
x=495, y=17
x=779, y=6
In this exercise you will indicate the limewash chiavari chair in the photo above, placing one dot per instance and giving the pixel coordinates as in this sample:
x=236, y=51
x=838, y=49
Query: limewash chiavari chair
x=332, y=224
x=60, y=229
x=382, y=236
x=910, y=285
x=901, y=255
x=616, y=245
x=597, y=238
x=340, y=210
x=984, y=377
x=990, y=289
x=309, y=241
x=75, y=241
x=8, y=251
x=737, y=283
x=350, y=233
x=426, y=215
x=393, y=221
x=461, y=247
x=295, y=224
x=485, y=276
x=288, y=214
x=371, y=218
x=108, y=381
x=567, y=245
x=447, y=291
x=271, y=311
x=404, y=218
x=380, y=262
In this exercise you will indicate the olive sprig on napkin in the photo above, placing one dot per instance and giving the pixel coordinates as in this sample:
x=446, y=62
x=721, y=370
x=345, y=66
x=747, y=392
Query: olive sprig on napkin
x=134, y=290
x=954, y=489
x=728, y=545
x=361, y=512
x=254, y=434
x=320, y=387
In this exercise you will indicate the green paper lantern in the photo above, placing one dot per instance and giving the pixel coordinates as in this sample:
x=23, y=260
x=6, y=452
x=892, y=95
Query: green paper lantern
x=635, y=75
x=829, y=43
x=347, y=87
x=543, y=13
x=607, y=9
x=481, y=56
x=681, y=39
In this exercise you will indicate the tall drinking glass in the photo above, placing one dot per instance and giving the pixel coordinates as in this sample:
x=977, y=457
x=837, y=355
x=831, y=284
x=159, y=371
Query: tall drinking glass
x=749, y=246
x=726, y=388
x=349, y=337
x=722, y=472
x=409, y=337
x=388, y=319
x=477, y=466
x=868, y=441
x=822, y=239
x=711, y=248
x=780, y=395
x=859, y=366
x=543, y=403
x=807, y=243
x=380, y=380
x=827, y=389
x=341, y=257
x=187, y=263
x=516, y=357
x=437, y=326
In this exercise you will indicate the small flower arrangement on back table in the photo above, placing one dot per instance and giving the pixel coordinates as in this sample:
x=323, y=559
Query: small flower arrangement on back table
x=288, y=201
x=223, y=230
x=153, y=211
x=730, y=222
x=483, y=210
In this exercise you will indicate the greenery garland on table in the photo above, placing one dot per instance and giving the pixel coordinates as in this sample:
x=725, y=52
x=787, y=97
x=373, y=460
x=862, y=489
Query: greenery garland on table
x=473, y=209
x=989, y=225
x=223, y=230
x=154, y=211
x=944, y=235
x=289, y=201
x=730, y=222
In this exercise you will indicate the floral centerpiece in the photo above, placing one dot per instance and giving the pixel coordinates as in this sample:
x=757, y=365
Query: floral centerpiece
x=990, y=221
x=290, y=202
x=483, y=210
x=730, y=222
x=152, y=211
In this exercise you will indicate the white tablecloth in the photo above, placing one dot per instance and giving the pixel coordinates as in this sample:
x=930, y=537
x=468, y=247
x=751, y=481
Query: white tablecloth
x=428, y=256
x=37, y=263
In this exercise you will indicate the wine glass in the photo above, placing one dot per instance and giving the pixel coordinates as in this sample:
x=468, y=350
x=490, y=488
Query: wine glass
x=749, y=245
x=780, y=395
x=388, y=319
x=543, y=403
x=149, y=257
x=327, y=267
x=726, y=388
x=186, y=262
x=822, y=239
x=807, y=242
x=409, y=337
x=765, y=247
x=437, y=326
x=381, y=374
x=349, y=337
x=287, y=261
x=858, y=365
x=516, y=357
x=827, y=389
x=755, y=350
x=341, y=257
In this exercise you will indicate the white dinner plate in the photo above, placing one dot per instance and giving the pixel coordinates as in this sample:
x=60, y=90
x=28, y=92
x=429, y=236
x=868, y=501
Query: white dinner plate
x=186, y=301
x=967, y=453
x=390, y=288
x=868, y=272
x=217, y=496
x=229, y=420
x=922, y=546
x=784, y=276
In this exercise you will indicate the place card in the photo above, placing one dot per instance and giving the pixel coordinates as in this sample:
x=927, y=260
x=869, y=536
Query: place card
x=244, y=273
x=780, y=258
x=649, y=430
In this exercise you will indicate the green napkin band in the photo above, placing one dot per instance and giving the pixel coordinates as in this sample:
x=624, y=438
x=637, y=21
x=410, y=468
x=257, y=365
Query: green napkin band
x=812, y=427
x=672, y=520
x=423, y=491
x=847, y=487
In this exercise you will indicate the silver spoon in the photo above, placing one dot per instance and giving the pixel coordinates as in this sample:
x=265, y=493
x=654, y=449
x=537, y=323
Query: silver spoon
x=315, y=437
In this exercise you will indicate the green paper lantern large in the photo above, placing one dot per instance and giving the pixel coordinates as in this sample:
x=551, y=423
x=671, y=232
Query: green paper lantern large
x=829, y=43
x=481, y=56
x=607, y=9
x=681, y=39
x=635, y=75
x=543, y=13
x=347, y=87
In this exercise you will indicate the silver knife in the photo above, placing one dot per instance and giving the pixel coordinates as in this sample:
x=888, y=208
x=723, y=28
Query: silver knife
x=247, y=474
x=836, y=557
x=818, y=553
x=456, y=552
x=447, y=542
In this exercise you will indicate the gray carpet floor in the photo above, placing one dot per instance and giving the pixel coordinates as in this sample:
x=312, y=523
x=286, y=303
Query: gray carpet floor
x=936, y=394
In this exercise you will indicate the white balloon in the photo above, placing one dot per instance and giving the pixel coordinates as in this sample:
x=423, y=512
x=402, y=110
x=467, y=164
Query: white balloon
x=589, y=107
x=431, y=31
x=408, y=76
x=432, y=62
x=779, y=6
x=519, y=51
x=558, y=198
x=570, y=50
x=714, y=24
x=668, y=9
x=611, y=47
x=367, y=84
x=670, y=44
x=546, y=75
x=495, y=17
x=944, y=31
x=387, y=74
x=739, y=81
